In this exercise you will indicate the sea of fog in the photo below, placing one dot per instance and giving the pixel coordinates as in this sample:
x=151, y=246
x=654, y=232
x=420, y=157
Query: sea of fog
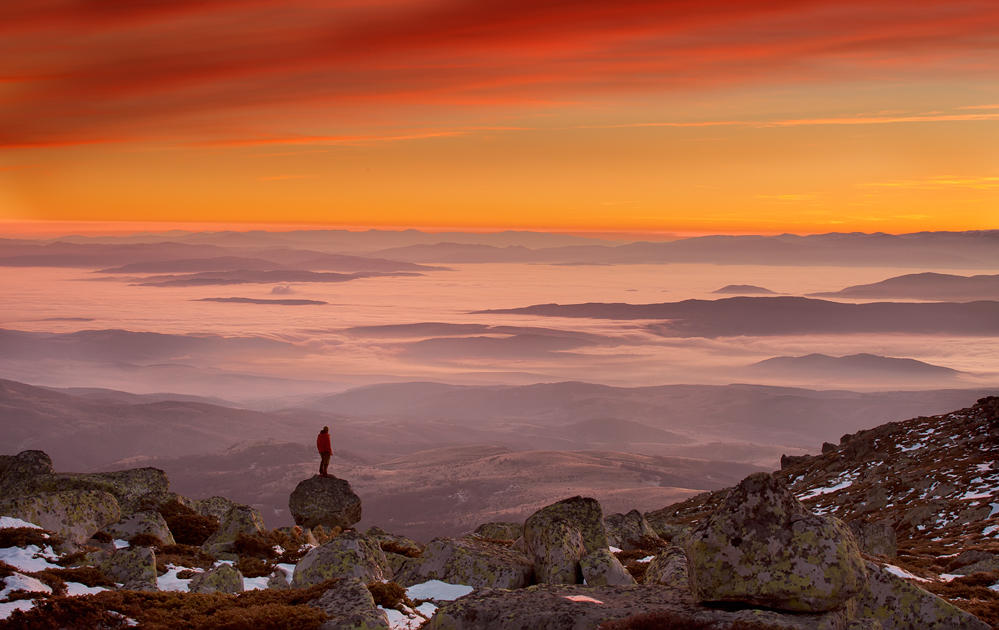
x=68, y=300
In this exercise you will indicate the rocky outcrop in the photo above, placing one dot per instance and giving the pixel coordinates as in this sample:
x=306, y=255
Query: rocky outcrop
x=602, y=568
x=764, y=548
x=127, y=486
x=17, y=469
x=500, y=531
x=224, y=578
x=213, y=506
x=876, y=539
x=74, y=515
x=350, y=607
x=151, y=523
x=624, y=530
x=899, y=605
x=668, y=568
x=557, y=536
x=241, y=519
x=471, y=562
x=574, y=607
x=326, y=501
x=126, y=566
x=348, y=555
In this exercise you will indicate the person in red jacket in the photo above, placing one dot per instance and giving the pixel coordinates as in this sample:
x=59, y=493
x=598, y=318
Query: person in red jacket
x=325, y=451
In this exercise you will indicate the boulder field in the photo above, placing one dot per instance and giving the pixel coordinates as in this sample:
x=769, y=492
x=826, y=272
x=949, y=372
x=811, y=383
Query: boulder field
x=759, y=556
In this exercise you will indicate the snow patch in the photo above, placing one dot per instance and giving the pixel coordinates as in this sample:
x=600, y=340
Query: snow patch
x=29, y=559
x=8, y=522
x=902, y=573
x=438, y=591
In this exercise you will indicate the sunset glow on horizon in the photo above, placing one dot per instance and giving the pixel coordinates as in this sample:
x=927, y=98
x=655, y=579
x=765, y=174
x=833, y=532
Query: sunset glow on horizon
x=675, y=117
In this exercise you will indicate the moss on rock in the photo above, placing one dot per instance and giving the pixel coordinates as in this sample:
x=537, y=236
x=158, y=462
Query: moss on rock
x=73, y=515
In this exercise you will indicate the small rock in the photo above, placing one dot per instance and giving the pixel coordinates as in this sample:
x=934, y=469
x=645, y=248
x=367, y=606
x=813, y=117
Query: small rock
x=137, y=564
x=899, y=605
x=241, y=519
x=348, y=555
x=500, y=531
x=278, y=579
x=471, y=562
x=623, y=530
x=989, y=564
x=877, y=539
x=668, y=568
x=151, y=523
x=350, y=607
x=326, y=501
x=16, y=469
x=763, y=547
x=602, y=568
x=965, y=558
x=75, y=515
x=224, y=578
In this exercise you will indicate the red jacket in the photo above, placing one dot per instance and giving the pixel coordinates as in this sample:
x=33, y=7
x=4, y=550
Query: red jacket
x=323, y=443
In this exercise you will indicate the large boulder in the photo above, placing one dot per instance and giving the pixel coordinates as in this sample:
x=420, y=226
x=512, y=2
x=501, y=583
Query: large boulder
x=624, y=530
x=17, y=469
x=350, y=606
x=127, y=486
x=151, y=523
x=899, y=605
x=136, y=564
x=557, y=536
x=241, y=519
x=224, y=578
x=602, y=568
x=763, y=547
x=348, y=555
x=326, y=501
x=500, y=531
x=74, y=515
x=668, y=568
x=574, y=607
x=470, y=562
x=213, y=506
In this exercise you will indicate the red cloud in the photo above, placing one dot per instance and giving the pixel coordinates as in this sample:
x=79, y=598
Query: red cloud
x=93, y=71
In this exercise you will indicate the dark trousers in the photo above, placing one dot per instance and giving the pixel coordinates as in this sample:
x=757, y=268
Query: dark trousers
x=324, y=465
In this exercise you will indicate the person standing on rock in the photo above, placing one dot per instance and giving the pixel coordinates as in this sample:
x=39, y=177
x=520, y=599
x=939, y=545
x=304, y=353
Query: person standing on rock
x=325, y=451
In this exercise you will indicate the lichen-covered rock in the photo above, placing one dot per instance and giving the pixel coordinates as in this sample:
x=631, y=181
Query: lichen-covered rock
x=326, y=501
x=348, y=555
x=151, y=523
x=350, y=607
x=156, y=501
x=583, y=512
x=763, y=547
x=213, y=506
x=241, y=519
x=395, y=543
x=500, y=531
x=668, y=568
x=877, y=539
x=16, y=469
x=74, y=515
x=471, y=562
x=224, y=578
x=623, y=530
x=127, y=486
x=899, y=605
x=136, y=564
x=278, y=579
x=602, y=568
x=574, y=607
x=988, y=564
x=556, y=552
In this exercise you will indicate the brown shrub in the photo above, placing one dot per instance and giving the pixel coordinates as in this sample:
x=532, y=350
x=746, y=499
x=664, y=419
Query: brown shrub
x=254, y=546
x=986, y=611
x=393, y=546
x=323, y=535
x=103, y=537
x=6, y=570
x=637, y=570
x=145, y=540
x=390, y=595
x=186, y=574
x=185, y=556
x=253, y=567
x=651, y=545
x=88, y=576
x=24, y=536
x=187, y=526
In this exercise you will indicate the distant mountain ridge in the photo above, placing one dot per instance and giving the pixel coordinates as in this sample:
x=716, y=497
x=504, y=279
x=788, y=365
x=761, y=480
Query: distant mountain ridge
x=863, y=363
x=940, y=287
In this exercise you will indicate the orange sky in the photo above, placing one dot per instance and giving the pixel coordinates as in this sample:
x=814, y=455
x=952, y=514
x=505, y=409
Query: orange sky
x=733, y=116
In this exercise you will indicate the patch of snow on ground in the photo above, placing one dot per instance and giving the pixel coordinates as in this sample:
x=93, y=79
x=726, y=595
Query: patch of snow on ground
x=991, y=528
x=582, y=598
x=30, y=558
x=170, y=582
x=8, y=608
x=615, y=550
x=255, y=584
x=905, y=449
x=979, y=493
x=120, y=544
x=646, y=559
x=984, y=467
x=8, y=522
x=399, y=621
x=73, y=589
x=814, y=492
x=289, y=570
x=438, y=591
x=18, y=582
x=902, y=573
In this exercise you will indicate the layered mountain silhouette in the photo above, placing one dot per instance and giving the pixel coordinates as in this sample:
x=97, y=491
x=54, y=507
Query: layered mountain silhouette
x=744, y=289
x=856, y=366
x=938, y=287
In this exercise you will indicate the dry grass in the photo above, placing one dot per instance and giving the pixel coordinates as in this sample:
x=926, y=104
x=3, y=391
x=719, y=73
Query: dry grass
x=390, y=595
x=110, y=610
x=24, y=536
x=187, y=526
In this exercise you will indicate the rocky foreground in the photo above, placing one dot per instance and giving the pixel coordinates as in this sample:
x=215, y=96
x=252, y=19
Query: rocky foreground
x=890, y=529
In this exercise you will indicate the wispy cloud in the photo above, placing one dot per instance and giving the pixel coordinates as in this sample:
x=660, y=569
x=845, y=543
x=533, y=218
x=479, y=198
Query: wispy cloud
x=274, y=178
x=944, y=182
